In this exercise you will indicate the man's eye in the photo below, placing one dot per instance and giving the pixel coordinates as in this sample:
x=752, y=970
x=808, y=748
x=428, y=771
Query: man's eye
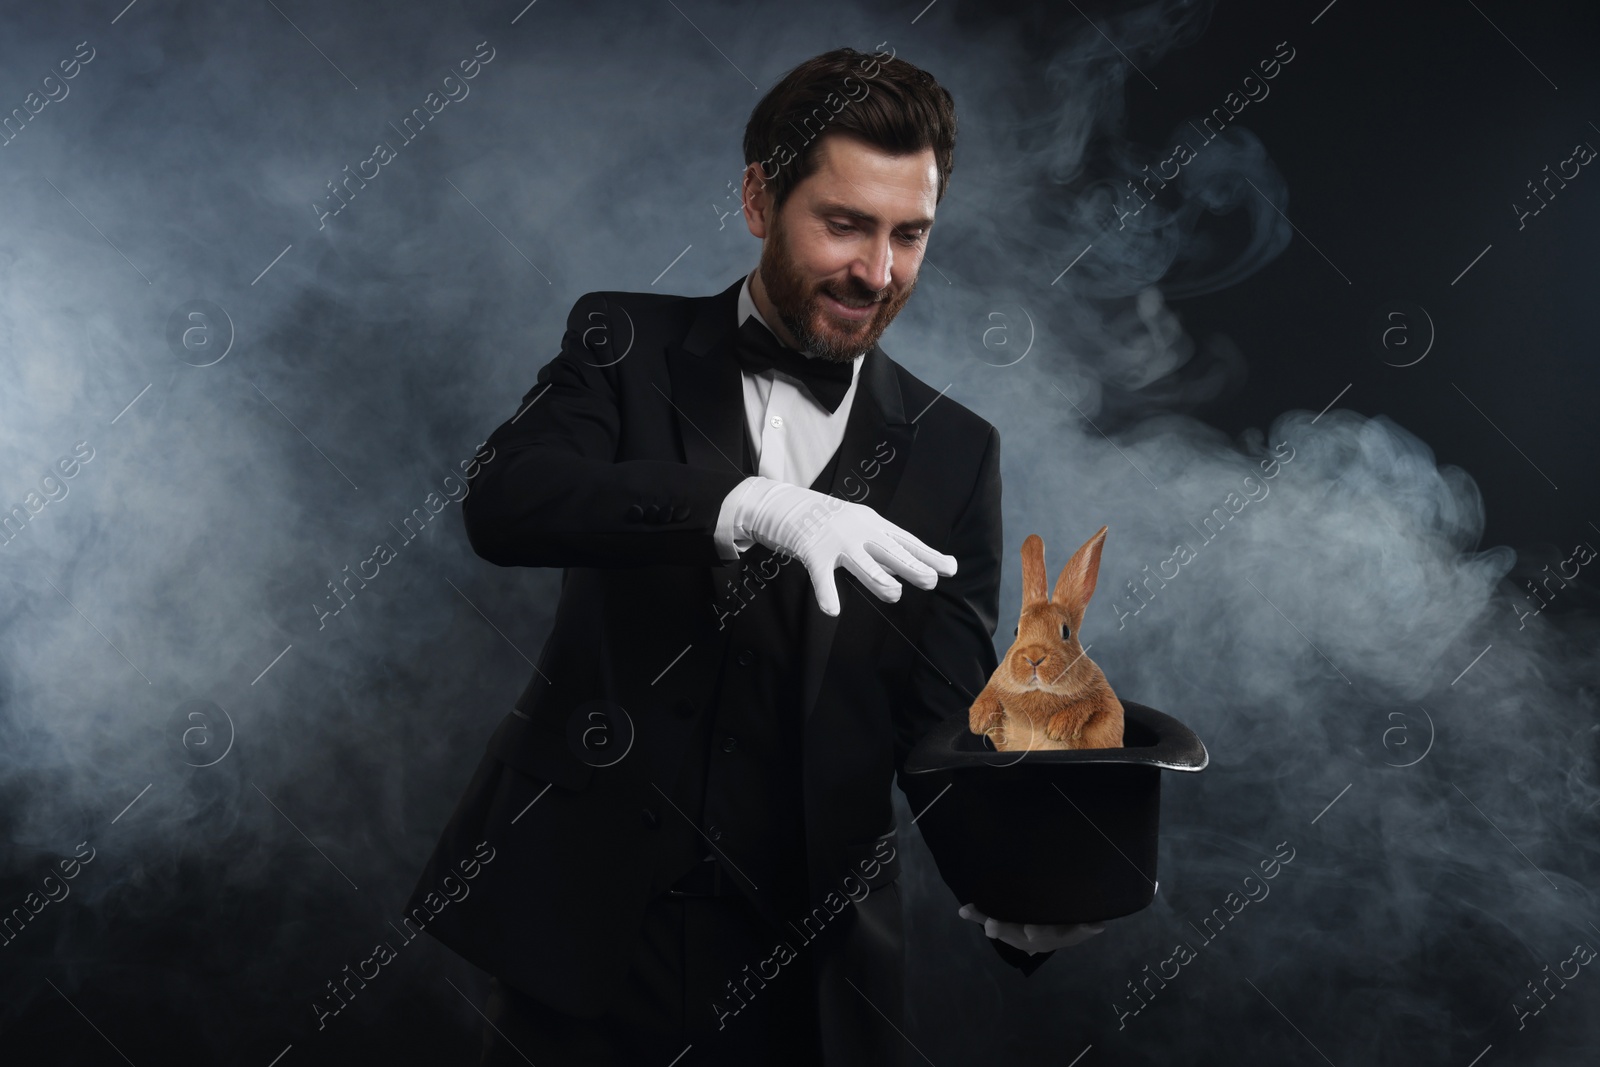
x=839, y=227
x=913, y=239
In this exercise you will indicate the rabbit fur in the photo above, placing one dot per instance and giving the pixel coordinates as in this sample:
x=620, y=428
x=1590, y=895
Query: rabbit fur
x=1045, y=693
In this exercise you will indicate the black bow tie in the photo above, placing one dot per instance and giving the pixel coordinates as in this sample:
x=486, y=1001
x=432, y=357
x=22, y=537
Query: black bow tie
x=758, y=350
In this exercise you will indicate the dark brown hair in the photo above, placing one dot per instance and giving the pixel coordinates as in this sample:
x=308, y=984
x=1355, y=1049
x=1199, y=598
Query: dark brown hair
x=883, y=100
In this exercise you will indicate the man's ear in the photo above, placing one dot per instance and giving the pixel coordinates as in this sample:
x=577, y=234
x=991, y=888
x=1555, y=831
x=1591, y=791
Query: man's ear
x=757, y=201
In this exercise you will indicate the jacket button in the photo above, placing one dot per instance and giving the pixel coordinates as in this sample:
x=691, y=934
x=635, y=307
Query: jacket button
x=714, y=832
x=747, y=657
x=633, y=514
x=649, y=817
x=680, y=513
x=730, y=743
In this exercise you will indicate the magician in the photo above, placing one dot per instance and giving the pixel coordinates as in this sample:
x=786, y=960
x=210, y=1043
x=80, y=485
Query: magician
x=689, y=805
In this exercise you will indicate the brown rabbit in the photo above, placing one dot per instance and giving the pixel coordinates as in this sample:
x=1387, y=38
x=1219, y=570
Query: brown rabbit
x=1046, y=694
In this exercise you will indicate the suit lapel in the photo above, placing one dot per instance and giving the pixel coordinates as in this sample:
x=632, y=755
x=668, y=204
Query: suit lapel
x=707, y=395
x=707, y=390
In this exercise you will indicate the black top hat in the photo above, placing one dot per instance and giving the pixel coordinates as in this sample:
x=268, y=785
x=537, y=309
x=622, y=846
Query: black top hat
x=1064, y=836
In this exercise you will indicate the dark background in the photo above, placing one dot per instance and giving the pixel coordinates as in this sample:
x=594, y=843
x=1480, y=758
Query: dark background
x=1352, y=649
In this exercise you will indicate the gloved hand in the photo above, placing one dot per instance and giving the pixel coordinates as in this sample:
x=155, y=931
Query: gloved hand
x=824, y=532
x=1033, y=937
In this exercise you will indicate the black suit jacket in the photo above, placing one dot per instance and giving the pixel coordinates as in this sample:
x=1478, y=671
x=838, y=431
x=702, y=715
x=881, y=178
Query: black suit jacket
x=614, y=468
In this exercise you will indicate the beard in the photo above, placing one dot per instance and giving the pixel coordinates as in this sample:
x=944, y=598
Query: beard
x=808, y=319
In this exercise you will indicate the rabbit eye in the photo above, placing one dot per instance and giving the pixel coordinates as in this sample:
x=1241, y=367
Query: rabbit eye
x=1015, y=630
x=1065, y=632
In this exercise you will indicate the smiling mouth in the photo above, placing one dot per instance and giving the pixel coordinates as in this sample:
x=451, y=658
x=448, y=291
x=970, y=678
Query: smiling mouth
x=848, y=310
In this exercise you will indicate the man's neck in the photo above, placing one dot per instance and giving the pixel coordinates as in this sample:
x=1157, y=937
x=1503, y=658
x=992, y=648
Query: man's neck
x=758, y=293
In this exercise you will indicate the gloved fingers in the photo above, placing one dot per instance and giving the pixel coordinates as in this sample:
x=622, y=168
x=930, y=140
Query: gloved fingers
x=1051, y=936
x=889, y=553
x=1032, y=937
x=943, y=564
x=877, y=580
x=822, y=582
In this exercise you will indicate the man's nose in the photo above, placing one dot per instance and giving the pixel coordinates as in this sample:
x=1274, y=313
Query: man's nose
x=877, y=266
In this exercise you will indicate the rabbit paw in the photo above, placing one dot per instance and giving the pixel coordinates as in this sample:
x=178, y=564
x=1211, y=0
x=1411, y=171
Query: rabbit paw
x=1060, y=727
x=985, y=716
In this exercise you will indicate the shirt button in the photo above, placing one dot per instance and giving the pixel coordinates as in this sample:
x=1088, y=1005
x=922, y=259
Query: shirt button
x=714, y=832
x=649, y=817
x=747, y=657
x=730, y=743
x=777, y=420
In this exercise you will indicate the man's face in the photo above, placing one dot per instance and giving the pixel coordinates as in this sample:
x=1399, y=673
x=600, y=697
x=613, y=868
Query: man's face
x=840, y=258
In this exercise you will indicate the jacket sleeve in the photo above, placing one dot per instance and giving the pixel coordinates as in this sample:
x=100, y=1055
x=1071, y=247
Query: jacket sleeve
x=958, y=636
x=551, y=492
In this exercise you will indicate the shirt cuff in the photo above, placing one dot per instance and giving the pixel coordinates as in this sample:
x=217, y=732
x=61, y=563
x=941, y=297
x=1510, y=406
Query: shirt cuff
x=732, y=537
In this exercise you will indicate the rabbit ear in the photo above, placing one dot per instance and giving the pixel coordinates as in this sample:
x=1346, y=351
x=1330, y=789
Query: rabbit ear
x=1034, y=579
x=1076, y=584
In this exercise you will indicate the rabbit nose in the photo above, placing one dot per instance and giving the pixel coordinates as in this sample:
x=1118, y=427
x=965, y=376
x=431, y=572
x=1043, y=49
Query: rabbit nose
x=1035, y=662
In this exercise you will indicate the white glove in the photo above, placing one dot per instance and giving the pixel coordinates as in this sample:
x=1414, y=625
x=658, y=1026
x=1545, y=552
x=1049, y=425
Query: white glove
x=1033, y=938
x=824, y=532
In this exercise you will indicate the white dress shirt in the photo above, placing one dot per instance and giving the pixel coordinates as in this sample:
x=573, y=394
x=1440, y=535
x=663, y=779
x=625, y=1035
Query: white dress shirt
x=791, y=435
